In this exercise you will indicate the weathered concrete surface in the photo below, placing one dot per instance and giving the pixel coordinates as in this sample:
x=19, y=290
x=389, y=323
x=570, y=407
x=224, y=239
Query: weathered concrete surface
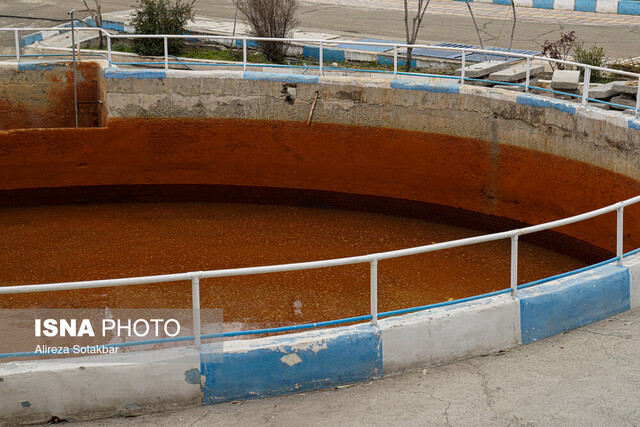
x=629, y=87
x=152, y=381
x=40, y=95
x=565, y=80
x=588, y=376
x=482, y=69
x=516, y=73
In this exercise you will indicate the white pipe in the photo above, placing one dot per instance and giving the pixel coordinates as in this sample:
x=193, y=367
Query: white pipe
x=462, y=71
x=585, y=85
x=166, y=53
x=528, y=78
x=374, y=292
x=321, y=57
x=195, y=298
x=17, y=37
x=619, y=234
x=514, y=263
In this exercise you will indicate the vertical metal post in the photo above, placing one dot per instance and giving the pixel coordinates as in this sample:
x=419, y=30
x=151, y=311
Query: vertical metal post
x=166, y=54
x=374, y=292
x=395, y=61
x=463, y=66
x=195, y=296
x=17, y=37
x=514, y=263
x=244, y=54
x=321, y=58
x=586, y=83
x=75, y=78
x=109, y=48
x=619, y=234
x=528, y=79
x=638, y=101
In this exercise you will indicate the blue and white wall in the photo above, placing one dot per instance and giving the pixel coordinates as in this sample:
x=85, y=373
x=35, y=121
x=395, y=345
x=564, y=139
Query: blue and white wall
x=622, y=7
x=298, y=362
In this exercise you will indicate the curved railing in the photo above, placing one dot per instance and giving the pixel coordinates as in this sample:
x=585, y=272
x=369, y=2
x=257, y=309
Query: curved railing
x=372, y=259
x=323, y=43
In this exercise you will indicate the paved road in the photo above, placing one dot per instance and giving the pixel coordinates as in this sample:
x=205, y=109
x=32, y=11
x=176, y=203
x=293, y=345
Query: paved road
x=447, y=21
x=586, y=377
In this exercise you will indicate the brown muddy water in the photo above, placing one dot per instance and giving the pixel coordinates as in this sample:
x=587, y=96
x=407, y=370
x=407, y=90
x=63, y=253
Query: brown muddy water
x=48, y=244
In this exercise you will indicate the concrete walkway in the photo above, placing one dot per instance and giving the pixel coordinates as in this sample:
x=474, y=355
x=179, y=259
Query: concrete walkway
x=586, y=377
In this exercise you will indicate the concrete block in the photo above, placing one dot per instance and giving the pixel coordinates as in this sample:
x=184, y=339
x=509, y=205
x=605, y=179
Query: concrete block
x=623, y=100
x=482, y=69
x=630, y=87
x=633, y=264
x=607, y=6
x=599, y=105
x=603, y=91
x=445, y=334
x=577, y=300
x=516, y=73
x=630, y=112
x=565, y=79
x=564, y=4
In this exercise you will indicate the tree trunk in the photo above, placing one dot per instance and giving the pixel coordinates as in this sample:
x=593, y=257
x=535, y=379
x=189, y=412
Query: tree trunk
x=407, y=65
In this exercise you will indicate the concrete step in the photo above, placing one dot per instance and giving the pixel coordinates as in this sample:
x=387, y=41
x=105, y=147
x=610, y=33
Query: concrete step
x=516, y=73
x=482, y=69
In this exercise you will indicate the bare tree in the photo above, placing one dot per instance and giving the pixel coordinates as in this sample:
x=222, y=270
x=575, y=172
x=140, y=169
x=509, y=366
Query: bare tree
x=513, y=28
x=477, y=29
x=96, y=14
x=272, y=19
x=412, y=34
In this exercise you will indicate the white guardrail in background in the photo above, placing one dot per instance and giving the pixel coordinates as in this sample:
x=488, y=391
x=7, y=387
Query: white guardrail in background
x=322, y=43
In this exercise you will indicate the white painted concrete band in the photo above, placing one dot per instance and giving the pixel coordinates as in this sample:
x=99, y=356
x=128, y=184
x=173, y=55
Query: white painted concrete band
x=450, y=333
x=633, y=264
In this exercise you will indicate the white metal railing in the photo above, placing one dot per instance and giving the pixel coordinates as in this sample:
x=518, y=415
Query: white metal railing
x=322, y=43
x=372, y=259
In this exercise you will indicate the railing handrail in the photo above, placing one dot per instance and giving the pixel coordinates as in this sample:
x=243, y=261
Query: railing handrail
x=370, y=258
x=245, y=271
x=331, y=42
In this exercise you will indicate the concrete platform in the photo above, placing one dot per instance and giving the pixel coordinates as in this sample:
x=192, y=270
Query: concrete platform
x=588, y=376
x=516, y=73
x=482, y=69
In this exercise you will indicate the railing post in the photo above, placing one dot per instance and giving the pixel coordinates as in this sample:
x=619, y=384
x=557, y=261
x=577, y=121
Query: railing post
x=619, y=234
x=78, y=44
x=586, y=83
x=166, y=53
x=395, y=61
x=638, y=100
x=528, y=78
x=514, y=264
x=195, y=296
x=244, y=54
x=463, y=66
x=109, y=48
x=17, y=37
x=321, y=58
x=374, y=292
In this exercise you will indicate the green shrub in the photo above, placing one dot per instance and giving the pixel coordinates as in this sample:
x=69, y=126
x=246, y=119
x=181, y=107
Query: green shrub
x=592, y=56
x=161, y=17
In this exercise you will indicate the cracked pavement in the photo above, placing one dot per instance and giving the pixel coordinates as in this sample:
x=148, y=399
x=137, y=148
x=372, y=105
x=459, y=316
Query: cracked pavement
x=588, y=376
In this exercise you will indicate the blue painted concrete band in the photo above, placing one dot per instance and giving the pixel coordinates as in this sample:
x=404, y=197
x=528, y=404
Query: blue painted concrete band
x=585, y=5
x=425, y=87
x=111, y=73
x=629, y=8
x=634, y=124
x=286, y=366
x=277, y=77
x=551, y=308
x=624, y=7
x=328, y=54
x=30, y=66
x=537, y=101
x=30, y=39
